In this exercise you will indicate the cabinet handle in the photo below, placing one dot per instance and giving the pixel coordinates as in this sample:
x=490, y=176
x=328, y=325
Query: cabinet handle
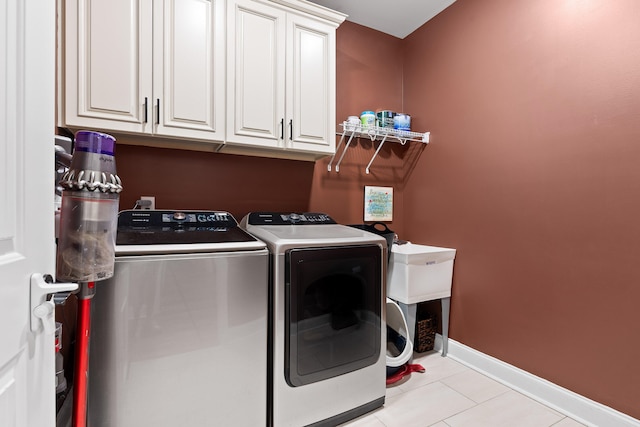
x=158, y=108
x=291, y=130
x=282, y=128
x=146, y=109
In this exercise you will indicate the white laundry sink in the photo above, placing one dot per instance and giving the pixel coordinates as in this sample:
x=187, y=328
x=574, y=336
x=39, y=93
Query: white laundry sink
x=420, y=273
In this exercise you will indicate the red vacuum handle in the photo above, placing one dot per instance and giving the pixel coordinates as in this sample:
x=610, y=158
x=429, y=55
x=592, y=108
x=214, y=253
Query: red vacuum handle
x=81, y=371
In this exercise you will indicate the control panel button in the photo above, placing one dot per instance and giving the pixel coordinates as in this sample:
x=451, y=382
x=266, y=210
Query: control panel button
x=294, y=217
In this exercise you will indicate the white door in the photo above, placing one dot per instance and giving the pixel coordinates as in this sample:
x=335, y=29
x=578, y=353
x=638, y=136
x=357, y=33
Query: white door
x=27, y=48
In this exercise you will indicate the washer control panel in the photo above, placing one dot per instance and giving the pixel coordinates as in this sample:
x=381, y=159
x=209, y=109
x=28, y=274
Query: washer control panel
x=139, y=227
x=195, y=217
x=293, y=218
x=161, y=218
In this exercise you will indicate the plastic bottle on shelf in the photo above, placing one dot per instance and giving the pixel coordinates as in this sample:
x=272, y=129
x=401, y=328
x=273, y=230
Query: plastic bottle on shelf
x=368, y=118
x=353, y=122
x=402, y=121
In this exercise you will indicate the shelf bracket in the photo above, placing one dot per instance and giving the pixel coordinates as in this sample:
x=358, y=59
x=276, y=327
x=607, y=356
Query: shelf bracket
x=402, y=141
x=344, y=151
x=376, y=153
x=334, y=154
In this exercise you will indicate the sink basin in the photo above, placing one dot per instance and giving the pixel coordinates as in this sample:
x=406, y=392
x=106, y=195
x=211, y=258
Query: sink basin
x=420, y=273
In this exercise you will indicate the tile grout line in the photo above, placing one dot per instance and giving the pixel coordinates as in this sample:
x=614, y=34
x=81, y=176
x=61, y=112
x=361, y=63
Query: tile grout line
x=461, y=394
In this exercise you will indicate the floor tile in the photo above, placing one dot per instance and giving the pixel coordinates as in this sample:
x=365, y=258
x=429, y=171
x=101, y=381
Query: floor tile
x=568, y=422
x=423, y=406
x=475, y=386
x=393, y=390
x=506, y=410
x=436, y=368
x=369, y=420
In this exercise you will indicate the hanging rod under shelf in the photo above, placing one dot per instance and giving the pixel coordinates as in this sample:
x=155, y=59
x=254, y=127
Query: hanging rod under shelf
x=373, y=132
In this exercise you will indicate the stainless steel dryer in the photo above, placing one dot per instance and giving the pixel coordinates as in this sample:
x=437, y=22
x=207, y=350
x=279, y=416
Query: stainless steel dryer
x=179, y=334
x=327, y=335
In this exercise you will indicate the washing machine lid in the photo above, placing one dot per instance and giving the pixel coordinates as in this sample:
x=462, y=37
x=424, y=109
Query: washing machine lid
x=164, y=231
x=282, y=231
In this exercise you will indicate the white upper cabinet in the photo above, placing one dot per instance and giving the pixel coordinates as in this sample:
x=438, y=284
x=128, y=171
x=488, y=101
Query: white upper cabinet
x=257, y=76
x=311, y=85
x=189, y=70
x=281, y=76
x=151, y=67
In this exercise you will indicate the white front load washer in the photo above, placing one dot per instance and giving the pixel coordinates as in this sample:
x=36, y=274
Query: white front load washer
x=179, y=333
x=327, y=339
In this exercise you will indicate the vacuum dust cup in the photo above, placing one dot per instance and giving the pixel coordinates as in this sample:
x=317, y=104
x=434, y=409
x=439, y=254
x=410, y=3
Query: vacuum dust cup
x=89, y=212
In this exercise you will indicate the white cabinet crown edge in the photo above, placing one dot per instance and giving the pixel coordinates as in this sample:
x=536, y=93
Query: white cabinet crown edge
x=316, y=10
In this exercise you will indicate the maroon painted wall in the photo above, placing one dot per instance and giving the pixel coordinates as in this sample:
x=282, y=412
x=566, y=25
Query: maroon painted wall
x=369, y=77
x=181, y=179
x=533, y=175
x=534, y=109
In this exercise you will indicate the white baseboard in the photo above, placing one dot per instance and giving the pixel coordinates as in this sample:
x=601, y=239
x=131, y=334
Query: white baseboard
x=573, y=405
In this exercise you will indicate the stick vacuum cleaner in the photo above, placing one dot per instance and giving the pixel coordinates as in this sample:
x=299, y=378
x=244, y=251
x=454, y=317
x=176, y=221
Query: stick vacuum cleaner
x=86, y=244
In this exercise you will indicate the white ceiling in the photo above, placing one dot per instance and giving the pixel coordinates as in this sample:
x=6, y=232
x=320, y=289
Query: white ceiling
x=396, y=17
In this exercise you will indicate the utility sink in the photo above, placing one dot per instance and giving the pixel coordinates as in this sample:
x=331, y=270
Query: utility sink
x=420, y=273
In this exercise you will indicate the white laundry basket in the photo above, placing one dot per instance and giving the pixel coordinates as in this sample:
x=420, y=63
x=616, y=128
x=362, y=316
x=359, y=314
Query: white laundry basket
x=399, y=346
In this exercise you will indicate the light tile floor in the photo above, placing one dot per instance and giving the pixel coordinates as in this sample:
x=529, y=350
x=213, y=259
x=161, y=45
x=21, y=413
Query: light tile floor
x=449, y=394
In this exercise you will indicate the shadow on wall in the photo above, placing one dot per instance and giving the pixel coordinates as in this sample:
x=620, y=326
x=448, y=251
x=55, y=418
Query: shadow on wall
x=181, y=179
x=341, y=194
x=394, y=163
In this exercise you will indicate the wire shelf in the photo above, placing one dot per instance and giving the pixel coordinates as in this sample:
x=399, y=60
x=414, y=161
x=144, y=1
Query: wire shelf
x=351, y=130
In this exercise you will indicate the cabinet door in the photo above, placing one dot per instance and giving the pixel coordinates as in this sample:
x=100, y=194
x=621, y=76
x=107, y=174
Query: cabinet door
x=311, y=87
x=189, y=69
x=108, y=52
x=255, y=74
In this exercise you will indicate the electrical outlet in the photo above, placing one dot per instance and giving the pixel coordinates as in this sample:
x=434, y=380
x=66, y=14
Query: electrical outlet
x=152, y=199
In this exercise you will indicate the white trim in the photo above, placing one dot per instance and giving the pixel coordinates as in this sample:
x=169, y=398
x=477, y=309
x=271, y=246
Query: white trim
x=565, y=401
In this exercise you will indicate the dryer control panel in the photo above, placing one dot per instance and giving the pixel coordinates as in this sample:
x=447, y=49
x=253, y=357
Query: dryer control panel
x=293, y=218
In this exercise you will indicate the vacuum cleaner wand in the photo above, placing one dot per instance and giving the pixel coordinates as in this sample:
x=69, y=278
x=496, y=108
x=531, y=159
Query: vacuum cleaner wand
x=87, y=236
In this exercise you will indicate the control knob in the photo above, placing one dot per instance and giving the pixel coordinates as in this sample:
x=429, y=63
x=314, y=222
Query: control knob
x=294, y=217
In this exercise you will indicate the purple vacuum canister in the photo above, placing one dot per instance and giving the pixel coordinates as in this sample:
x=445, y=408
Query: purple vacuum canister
x=89, y=212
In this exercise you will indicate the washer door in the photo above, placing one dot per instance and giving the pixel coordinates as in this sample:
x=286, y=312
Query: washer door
x=333, y=311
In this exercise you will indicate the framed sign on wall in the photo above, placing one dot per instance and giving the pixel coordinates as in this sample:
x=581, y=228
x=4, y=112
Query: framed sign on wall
x=378, y=203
